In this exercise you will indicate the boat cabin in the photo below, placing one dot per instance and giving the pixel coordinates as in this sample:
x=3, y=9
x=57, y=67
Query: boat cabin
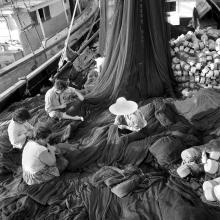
x=26, y=25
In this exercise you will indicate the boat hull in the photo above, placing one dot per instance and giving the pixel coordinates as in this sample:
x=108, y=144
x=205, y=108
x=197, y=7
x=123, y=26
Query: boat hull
x=38, y=67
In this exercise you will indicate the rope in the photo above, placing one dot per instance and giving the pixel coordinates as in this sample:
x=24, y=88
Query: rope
x=78, y=54
x=62, y=58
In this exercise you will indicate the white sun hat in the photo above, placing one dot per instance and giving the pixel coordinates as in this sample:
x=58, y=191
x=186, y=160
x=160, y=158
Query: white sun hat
x=123, y=107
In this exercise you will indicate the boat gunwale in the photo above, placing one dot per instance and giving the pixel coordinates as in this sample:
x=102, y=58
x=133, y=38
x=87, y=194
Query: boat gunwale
x=18, y=85
x=39, y=51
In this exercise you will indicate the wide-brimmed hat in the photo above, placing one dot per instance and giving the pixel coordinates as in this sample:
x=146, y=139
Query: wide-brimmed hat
x=123, y=107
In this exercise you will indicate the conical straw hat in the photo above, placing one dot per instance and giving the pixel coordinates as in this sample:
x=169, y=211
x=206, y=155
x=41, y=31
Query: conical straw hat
x=123, y=107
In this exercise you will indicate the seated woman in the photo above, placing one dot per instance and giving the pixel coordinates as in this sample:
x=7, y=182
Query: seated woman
x=19, y=130
x=168, y=132
x=91, y=81
x=133, y=121
x=128, y=116
x=39, y=163
x=153, y=118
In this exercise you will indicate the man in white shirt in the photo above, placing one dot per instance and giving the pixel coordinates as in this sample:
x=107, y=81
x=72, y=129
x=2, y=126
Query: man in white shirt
x=58, y=97
x=19, y=129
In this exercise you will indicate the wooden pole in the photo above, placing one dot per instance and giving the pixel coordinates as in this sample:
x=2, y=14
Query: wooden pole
x=41, y=24
x=68, y=36
x=67, y=18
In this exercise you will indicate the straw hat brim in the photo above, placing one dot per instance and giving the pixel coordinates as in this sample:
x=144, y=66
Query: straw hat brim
x=123, y=107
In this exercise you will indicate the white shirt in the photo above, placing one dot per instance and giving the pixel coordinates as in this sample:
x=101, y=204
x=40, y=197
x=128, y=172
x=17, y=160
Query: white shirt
x=30, y=157
x=17, y=133
x=54, y=100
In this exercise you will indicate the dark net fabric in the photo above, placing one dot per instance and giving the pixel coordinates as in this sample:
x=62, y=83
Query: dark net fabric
x=98, y=143
x=137, y=63
x=102, y=27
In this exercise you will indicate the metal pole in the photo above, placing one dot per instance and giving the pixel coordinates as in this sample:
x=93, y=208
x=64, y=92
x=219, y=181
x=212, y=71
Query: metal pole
x=67, y=18
x=40, y=22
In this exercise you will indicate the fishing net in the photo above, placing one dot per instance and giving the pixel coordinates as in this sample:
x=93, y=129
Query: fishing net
x=137, y=62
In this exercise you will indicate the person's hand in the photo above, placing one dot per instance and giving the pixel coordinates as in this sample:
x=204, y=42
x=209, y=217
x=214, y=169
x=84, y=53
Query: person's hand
x=54, y=149
x=29, y=134
x=127, y=127
x=80, y=118
x=118, y=120
x=57, y=150
x=51, y=148
x=176, y=133
x=122, y=127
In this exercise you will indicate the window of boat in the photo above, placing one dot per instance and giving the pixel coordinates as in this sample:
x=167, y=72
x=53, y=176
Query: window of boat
x=47, y=13
x=41, y=13
x=44, y=13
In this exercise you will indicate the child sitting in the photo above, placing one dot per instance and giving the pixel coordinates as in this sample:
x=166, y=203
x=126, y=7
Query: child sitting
x=19, y=130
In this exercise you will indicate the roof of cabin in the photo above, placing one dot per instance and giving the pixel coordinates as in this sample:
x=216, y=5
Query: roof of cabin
x=24, y=5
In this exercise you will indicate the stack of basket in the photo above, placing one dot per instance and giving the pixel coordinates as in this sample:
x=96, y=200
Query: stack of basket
x=196, y=59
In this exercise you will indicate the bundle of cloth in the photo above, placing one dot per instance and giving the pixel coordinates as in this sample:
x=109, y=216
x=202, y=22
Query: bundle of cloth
x=203, y=161
x=202, y=111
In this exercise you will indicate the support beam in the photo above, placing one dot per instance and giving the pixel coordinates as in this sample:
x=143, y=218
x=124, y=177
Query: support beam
x=41, y=24
x=64, y=8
